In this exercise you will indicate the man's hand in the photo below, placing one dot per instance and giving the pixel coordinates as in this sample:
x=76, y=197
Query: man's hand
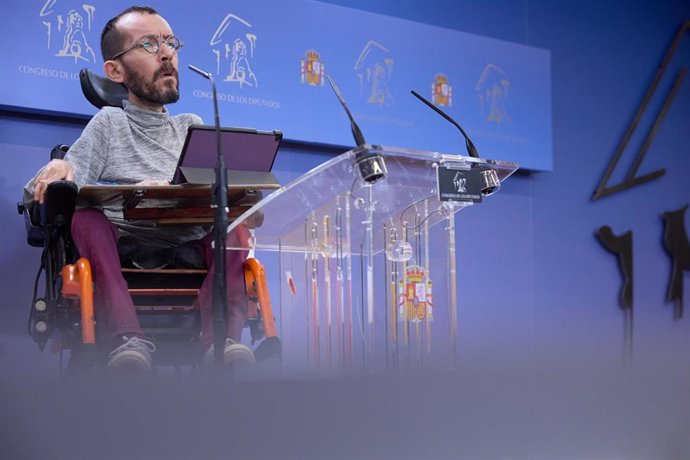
x=55, y=170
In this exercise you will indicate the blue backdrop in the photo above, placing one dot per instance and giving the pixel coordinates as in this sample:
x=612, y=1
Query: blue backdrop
x=270, y=60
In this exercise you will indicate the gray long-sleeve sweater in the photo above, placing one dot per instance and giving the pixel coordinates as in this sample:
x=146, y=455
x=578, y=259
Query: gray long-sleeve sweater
x=125, y=146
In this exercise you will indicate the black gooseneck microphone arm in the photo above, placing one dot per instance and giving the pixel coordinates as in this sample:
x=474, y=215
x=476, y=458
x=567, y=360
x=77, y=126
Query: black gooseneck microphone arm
x=356, y=132
x=471, y=150
x=490, y=181
x=220, y=229
x=371, y=166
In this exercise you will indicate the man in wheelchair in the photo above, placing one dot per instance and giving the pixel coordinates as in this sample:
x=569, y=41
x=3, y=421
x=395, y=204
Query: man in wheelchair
x=139, y=143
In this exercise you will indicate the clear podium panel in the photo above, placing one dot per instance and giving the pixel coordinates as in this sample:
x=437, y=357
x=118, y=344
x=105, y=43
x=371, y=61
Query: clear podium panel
x=362, y=275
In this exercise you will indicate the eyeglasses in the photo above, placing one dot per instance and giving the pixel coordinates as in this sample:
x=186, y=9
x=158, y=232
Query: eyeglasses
x=152, y=45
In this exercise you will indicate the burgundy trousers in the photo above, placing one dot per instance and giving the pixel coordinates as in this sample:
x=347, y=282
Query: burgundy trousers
x=96, y=239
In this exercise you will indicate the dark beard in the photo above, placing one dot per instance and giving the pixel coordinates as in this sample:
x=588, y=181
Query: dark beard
x=148, y=91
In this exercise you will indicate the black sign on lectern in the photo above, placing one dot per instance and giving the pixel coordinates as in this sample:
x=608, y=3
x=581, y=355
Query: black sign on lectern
x=459, y=184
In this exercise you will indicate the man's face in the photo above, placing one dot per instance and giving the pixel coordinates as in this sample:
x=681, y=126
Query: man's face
x=159, y=89
x=152, y=79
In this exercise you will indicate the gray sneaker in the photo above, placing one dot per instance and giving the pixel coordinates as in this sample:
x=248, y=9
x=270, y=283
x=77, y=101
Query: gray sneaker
x=133, y=356
x=233, y=354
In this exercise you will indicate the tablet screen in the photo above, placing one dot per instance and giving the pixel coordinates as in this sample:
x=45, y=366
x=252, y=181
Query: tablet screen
x=243, y=149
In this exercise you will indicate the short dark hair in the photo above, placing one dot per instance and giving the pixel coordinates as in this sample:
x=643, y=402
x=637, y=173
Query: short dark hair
x=111, y=38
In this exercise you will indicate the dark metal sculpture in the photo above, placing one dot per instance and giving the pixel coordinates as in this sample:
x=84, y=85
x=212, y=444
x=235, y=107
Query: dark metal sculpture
x=622, y=247
x=631, y=178
x=677, y=245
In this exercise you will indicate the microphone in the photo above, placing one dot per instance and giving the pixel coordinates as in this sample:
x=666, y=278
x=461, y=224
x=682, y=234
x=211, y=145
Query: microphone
x=490, y=182
x=370, y=166
x=471, y=150
x=220, y=229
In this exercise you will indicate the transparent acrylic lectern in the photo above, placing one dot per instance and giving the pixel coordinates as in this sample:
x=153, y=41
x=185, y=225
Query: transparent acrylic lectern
x=362, y=276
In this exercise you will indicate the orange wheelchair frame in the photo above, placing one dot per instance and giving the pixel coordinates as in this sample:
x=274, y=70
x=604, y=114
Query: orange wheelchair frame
x=66, y=314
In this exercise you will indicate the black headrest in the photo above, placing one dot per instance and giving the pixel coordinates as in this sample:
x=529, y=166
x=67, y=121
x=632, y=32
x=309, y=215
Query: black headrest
x=101, y=91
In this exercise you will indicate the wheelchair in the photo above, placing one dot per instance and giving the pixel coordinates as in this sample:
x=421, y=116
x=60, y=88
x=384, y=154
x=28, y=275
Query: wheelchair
x=165, y=298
